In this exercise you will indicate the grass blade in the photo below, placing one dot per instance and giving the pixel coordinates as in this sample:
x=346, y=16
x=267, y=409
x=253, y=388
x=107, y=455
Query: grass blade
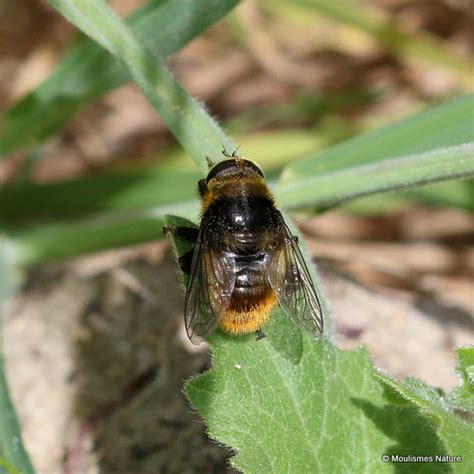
x=455, y=193
x=329, y=189
x=431, y=146
x=197, y=132
x=111, y=192
x=13, y=457
x=444, y=126
x=88, y=72
x=347, y=171
x=64, y=239
x=280, y=402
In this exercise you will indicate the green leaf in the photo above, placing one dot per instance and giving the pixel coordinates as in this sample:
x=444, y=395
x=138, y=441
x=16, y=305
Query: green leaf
x=196, y=131
x=445, y=126
x=65, y=239
x=288, y=403
x=329, y=189
x=105, y=193
x=448, y=193
x=462, y=396
x=13, y=457
x=456, y=433
x=88, y=71
x=431, y=146
x=324, y=181
x=109, y=211
x=325, y=413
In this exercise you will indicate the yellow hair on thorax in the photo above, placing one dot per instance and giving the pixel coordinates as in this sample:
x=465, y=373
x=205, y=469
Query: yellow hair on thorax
x=231, y=187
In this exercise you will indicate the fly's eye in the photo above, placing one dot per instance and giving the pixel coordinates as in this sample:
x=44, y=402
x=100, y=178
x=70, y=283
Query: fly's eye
x=220, y=168
x=254, y=167
x=230, y=167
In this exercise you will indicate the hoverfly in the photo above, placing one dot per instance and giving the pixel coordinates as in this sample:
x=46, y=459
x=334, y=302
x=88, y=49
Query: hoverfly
x=245, y=259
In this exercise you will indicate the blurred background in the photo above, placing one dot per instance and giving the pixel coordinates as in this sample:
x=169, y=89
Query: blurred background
x=98, y=342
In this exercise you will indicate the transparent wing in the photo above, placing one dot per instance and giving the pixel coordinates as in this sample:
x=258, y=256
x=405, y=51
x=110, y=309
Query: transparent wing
x=288, y=275
x=211, y=283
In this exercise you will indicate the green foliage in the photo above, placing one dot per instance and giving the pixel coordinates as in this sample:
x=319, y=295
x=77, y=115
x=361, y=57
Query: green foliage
x=286, y=403
x=329, y=189
x=121, y=209
x=445, y=126
x=434, y=145
x=63, y=239
x=456, y=434
x=88, y=72
x=195, y=129
x=289, y=404
x=108, y=193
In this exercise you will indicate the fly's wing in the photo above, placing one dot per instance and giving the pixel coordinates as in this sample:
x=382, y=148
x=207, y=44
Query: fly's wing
x=211, y=283
x=288, y=275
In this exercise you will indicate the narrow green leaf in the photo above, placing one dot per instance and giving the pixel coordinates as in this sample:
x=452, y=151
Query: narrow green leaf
x=64, y=239
x=106, y=193
x=13, y=457
x=130, y=223
x=442, y=127
x=331, y=188
x=432, y=146
x=303, y=183
x=109, y=211
x=197, y=132
x=447, y=193
x=88, y=71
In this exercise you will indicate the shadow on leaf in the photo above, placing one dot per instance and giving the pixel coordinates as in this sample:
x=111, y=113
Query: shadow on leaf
x=412, y=434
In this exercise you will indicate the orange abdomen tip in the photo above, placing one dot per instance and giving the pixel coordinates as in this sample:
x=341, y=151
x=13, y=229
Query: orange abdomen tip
x=236, y=321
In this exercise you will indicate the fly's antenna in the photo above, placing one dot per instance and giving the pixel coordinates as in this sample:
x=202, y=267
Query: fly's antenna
x=225, y=152
x=234, y=153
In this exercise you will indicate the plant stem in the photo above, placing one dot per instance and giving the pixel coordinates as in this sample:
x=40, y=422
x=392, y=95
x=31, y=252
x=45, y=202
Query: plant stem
x=197, y=132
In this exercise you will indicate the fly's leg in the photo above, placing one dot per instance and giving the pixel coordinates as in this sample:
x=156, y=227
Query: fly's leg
x=259, y=334
x=185, y=261
x=186, y=234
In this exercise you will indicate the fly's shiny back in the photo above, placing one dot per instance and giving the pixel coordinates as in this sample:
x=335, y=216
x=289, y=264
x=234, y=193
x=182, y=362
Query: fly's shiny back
x=238, y=205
